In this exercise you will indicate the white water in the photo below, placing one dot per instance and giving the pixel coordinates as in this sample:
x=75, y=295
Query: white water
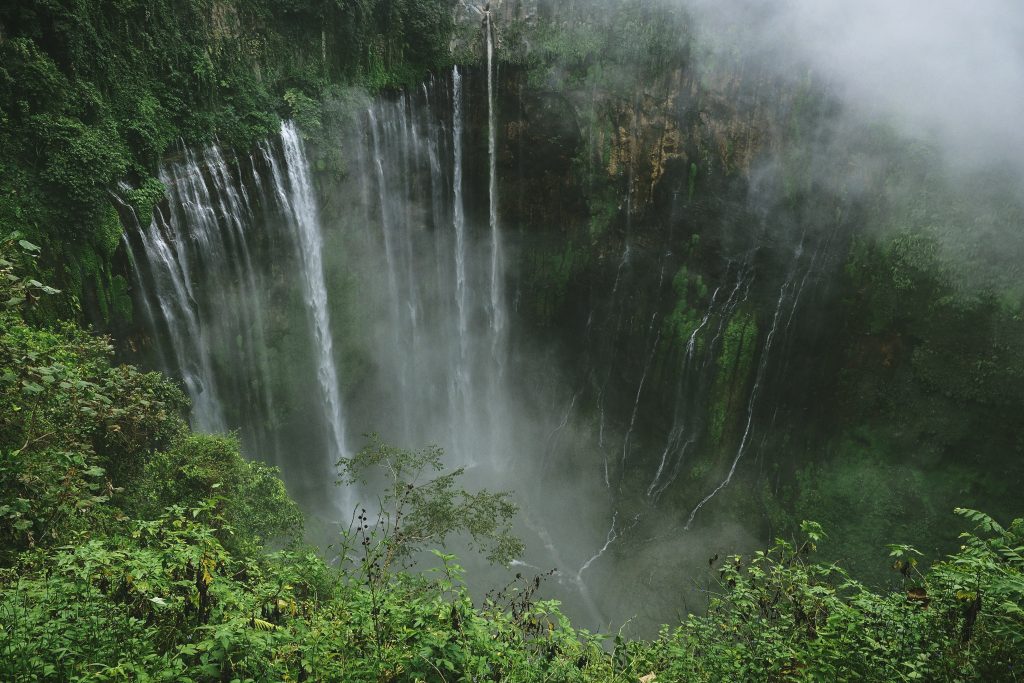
x=640, y=389
x=308, y=232
x=438, y=340
x=497, y=306
x=694, y=382
x=462, y=386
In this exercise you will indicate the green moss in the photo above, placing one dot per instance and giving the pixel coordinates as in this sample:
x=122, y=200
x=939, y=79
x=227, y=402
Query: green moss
x=691, y=294
x=685, y=318
x=734, y=365
x=868, y=494
x=144, y=199
x=604, y=211
x=549, y=277
x=304, y=110
x=121, y=298
x=108, y=234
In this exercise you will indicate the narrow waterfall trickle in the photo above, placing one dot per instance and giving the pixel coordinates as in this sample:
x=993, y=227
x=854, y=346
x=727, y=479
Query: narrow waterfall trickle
x=680, y=438
x=640, y=390
x=497, y=306
x=460, y=397
x=790, y=290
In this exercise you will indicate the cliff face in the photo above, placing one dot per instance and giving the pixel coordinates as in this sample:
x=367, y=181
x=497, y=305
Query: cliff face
x=631, y=188
x=739, y=275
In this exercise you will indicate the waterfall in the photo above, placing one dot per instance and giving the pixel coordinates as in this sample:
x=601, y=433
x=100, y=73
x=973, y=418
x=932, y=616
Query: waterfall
x=497, y=307
x=377, y=131
x=461, y=386
x=306, y=223
x=245, y=275
x=441, y=347
x=301, y=308
x=675, y=443
x=207, y=271
x=640, y=390
x=695, y=380
x=196, y=227
x=791, y=290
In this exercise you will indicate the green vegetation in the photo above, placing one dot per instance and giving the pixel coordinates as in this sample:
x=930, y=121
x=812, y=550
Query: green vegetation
x=732, y=379
x=550, y=273
x=923, y=342
x=96, y=92
x=781, y=617
x=621, y=43
x=691, y=292
x=131, y=549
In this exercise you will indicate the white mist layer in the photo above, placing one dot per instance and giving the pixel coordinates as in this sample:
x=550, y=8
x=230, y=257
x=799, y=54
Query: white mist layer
x=941, y=69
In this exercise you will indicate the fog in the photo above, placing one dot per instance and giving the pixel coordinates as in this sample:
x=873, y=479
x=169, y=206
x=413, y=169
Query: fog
x=940, y=70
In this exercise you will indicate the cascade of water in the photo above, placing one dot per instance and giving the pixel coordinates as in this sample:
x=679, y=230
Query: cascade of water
x=214, y=264
x=164, y=247
x=432, y=265
x=378, y=131
x=439, y=149
x=217, y=221
x=751, y=403
x=205, y=277
x=552, y=440
x=405, y=136
x=306, y=223
x=602, y=390
x=461, y=373
x=646, y=368
x=497, y=307
x=237, y=208
x=134, y=228
x=679, y=428
x=613, y=534
x=440, y=347
x=555, y=555
x=695, y=379
x=640, y=390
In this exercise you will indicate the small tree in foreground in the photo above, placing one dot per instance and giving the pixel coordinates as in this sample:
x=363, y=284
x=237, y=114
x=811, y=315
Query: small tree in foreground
x=420, y=507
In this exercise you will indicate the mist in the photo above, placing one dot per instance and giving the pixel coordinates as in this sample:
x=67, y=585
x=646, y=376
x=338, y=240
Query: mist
x=946, y=72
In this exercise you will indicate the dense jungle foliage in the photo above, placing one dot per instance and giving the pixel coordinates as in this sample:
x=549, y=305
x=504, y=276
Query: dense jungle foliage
x=113, y=568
